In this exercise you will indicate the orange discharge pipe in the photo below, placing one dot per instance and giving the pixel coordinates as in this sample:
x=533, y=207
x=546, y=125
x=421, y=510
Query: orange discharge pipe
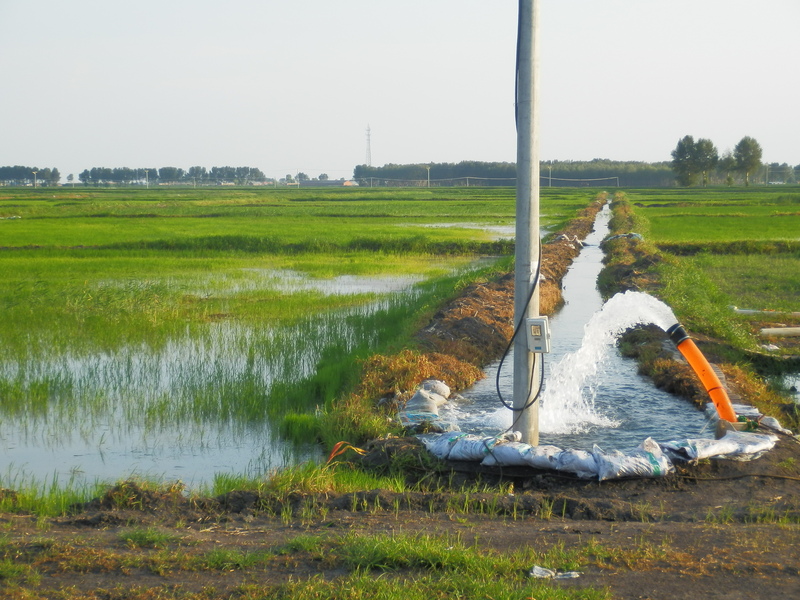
x=698, y=362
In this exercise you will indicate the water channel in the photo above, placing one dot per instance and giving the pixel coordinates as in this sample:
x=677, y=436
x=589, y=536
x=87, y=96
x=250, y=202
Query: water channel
x=593, y=395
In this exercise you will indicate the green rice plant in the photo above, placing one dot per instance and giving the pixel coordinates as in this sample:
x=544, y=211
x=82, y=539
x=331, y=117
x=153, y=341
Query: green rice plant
x=755, y=281
x=699, y=304
x=302, y=543
x=12, y=572
x=724, y=515
x=148, y=537
x=44, y=498
x=232, y=560
x=545, y=510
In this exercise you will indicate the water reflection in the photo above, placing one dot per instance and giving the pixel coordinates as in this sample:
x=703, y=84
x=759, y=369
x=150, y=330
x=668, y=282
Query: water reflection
x=196, y=406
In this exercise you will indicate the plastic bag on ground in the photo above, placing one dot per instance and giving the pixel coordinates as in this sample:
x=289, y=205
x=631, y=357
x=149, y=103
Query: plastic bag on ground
x=647, y=460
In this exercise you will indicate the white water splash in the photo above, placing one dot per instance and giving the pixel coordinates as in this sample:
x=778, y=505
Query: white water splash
x=567, y=403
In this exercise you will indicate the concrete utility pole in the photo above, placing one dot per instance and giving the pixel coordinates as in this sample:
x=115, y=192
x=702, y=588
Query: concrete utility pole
x=526, y=367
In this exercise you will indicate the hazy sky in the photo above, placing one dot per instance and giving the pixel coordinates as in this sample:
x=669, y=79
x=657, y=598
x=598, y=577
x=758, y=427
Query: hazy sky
x=291, y=85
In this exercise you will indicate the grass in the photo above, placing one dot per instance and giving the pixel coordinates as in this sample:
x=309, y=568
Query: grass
x=148, y=537
x=352, y=566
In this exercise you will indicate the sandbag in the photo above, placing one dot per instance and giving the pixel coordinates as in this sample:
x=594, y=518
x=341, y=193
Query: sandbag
x=437, y=387
x=580, y=462
x=734, y=444
x=647, y=460
x=440, y=444
x=473, y=448
x=509, y=454
x=543, y=457
x=424, y=400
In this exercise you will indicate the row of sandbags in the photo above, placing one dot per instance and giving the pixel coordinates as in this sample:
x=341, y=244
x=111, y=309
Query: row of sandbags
x=650, y=459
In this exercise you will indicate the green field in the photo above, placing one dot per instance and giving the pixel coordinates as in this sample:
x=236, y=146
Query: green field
x=150, y=322
x=729, y=247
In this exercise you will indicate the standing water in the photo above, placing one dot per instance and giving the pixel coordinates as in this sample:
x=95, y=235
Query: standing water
x=592, y=394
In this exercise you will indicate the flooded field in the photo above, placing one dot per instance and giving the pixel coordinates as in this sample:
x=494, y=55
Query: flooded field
x=168, y=337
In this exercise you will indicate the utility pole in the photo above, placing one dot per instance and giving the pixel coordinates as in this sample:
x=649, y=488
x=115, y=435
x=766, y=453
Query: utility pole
x=527, y=368
x=369, y=146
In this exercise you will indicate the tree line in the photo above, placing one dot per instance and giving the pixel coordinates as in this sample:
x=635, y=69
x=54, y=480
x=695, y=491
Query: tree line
x=556, y=172
x=696, y=161
x=19, y=175
x=171, y=175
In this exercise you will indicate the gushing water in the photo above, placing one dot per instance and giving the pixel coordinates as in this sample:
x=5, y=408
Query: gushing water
x=567, y=402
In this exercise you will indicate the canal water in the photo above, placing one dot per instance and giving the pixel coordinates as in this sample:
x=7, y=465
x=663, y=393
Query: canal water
x=592, y=394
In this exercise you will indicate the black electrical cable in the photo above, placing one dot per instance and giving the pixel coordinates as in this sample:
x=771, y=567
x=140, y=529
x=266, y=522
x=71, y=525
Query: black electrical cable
x=511, y=343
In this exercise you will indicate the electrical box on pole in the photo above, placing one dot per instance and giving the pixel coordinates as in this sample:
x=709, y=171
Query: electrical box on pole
x=526, y=281
x=538, y=335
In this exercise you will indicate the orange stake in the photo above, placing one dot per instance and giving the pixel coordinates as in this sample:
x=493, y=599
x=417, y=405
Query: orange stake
x=703, y=369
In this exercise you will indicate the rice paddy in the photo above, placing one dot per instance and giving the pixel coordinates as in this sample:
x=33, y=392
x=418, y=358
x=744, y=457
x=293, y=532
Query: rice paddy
x=168, y=334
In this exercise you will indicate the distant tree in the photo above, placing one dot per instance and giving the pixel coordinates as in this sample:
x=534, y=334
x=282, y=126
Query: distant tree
x=323, y=177
x=223, y=174
x=727, y=165
x=706, y=157
x=684, y=161
x=747, y=155
x=70, y=178
x=197, y=174
x=302, y=177
x=170, y=174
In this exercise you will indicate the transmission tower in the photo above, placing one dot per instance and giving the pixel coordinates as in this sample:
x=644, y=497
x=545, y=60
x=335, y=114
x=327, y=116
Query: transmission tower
x=369, y=148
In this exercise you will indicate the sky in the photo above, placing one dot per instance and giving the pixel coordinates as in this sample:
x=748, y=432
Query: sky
x=291, y=86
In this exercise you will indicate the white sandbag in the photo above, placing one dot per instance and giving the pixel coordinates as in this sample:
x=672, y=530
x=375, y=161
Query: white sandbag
x=543, y=457
x=437, y=387
x=749, y=445
x=423, y=399
x=441, y=444
x=509, y=454
x=774, y=424
x=734, y=444
x=473, y=448
x=580, y=462
x=697, y=449
x=646, y=461
x=512, y=436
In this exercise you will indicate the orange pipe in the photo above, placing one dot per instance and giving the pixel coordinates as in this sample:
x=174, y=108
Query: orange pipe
x=702, y=368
